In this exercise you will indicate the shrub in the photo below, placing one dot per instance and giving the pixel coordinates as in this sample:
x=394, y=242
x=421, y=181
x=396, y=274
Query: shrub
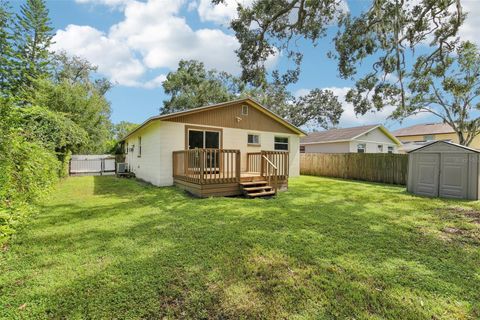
x=28, y=171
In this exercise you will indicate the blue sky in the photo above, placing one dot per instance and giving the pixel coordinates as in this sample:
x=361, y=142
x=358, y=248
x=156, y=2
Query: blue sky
x=136, y=43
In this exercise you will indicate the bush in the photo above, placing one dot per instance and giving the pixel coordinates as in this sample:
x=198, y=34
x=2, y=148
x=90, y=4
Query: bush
x=27, y=175
x=28, y=171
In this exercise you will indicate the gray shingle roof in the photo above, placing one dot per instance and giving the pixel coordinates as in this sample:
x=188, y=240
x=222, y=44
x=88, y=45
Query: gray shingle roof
x=423, y=129
x=336, y=134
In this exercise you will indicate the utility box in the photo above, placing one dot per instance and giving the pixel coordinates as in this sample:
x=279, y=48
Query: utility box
x=444, y=169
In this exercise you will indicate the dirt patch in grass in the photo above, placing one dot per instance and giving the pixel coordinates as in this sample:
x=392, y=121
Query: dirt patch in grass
x=472, y=215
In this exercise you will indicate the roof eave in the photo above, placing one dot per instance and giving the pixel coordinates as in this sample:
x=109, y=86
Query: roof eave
x=250, y=101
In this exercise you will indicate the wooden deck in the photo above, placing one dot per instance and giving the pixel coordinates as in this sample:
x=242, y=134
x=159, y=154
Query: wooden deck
x=216, y=172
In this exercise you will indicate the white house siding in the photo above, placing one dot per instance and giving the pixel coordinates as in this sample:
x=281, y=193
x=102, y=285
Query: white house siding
x=161, y=138
x=148, y=166
x=237, y=139
x=372, y=139
x=334, y=147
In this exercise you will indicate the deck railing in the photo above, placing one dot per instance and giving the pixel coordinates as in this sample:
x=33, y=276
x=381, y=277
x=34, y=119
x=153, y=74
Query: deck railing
x=263, y=162
x=206, y=166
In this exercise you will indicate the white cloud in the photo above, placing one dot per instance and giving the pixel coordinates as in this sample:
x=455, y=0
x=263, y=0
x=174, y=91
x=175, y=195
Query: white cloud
x=113, y=58
x=350, y=119
x=155, y=82
x=469, y=30
x=153, y=35
x=222, y=13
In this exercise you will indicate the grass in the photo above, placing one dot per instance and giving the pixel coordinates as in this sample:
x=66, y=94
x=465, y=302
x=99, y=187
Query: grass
x=326, y=249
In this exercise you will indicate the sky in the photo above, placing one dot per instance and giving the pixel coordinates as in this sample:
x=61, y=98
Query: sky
x=136, y=43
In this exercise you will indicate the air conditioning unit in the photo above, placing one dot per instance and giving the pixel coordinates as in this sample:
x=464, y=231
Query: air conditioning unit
x=122, y=167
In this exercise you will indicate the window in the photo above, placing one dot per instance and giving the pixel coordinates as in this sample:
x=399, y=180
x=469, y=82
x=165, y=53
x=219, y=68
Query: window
x=253, y=139
x=126, y=149
x=361, y=147
x=139, y=147
x=380, y=148
x=428, y=137
x=390, y=149
x=244, y=110
x=281, y=143
x=302, y=149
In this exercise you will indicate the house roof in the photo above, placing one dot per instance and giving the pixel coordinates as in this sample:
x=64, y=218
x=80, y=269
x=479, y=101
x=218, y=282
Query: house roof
x=446, y=142
x=424, y=129
x=344, y=134
x=249, y=101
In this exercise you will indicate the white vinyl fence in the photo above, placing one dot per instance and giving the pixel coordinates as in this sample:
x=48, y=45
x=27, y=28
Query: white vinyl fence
x=92, y=165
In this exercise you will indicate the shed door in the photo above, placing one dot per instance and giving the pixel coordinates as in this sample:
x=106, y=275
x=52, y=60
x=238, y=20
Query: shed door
x=427, y=174
x=454, y=176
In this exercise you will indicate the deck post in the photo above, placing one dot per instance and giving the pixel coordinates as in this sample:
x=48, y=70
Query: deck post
x=237, y=165
x=202, y=165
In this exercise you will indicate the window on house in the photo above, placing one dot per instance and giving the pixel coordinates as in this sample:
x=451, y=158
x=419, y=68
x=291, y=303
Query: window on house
x=253, y=139
x=126, y=149
x=244, y=110
x=139, y=146
x=361, y=147
x=390, y=149
x=302, y=149
x=380, y=148
x=281, y=143
x=428, y=137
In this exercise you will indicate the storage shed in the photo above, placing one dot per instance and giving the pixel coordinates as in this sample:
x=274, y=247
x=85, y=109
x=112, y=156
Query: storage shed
x=444, y=169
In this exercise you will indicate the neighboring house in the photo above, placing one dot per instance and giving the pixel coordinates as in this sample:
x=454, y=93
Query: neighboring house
x=364, y=139
x=223, y=149
x=418, y=135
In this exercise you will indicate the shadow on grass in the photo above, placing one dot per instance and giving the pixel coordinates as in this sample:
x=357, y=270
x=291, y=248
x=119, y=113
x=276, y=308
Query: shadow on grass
x=324, y=249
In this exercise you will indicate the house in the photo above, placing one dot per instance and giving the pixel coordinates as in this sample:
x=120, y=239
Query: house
x=418, y=135
x=223, y=149
x=364, y=139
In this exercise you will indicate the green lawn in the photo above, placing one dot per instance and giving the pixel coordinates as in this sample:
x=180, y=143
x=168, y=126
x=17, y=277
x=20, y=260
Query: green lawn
x=326, y=249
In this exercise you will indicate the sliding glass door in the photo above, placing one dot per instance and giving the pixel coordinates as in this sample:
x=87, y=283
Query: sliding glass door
x=200, y=139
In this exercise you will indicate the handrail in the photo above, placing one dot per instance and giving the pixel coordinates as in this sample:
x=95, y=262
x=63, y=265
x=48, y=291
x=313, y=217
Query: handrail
x=270, y=162
x=269, y=176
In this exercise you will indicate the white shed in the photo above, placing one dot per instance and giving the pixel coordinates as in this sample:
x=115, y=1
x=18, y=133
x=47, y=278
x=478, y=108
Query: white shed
x=444, y=169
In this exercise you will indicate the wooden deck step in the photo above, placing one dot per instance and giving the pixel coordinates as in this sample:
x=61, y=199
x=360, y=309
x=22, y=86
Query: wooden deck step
x=249, y=189
x=253, y=183
x=261, y=194
x=255, y=189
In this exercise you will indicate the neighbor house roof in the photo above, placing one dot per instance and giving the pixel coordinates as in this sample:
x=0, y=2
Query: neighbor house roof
x=248, y=101
x=424, y=129
x=344, y=134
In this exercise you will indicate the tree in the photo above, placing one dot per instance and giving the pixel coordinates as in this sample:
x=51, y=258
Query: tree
x=385, y=33
x=32, y=42
x=6, y=51
x=52, y=129
x=121, y=129
x=75, y=93
x=448, y=88
x=267, y=27
x=191, y=86
x=77, y=70
x=83, y=105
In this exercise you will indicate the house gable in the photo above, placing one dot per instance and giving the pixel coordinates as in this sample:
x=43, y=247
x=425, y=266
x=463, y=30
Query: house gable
x=377, y=135
x=231, y=116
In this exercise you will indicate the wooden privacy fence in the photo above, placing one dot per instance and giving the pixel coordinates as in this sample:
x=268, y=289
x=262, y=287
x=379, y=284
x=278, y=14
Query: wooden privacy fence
x=375, y=167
